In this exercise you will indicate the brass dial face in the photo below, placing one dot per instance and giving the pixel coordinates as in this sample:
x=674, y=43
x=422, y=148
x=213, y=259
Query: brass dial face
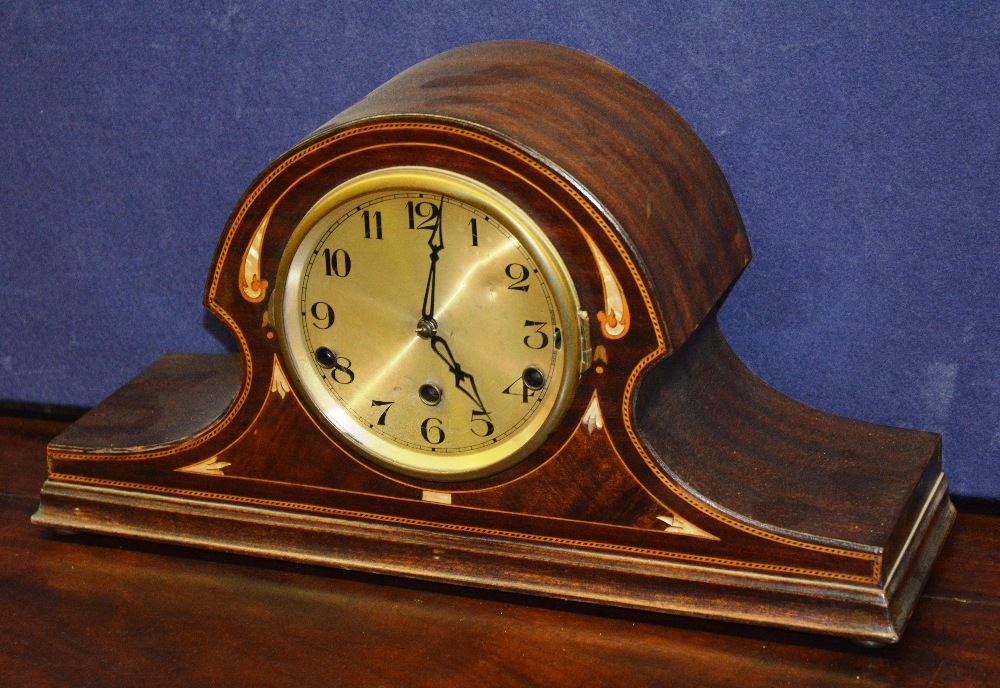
x=429, y=321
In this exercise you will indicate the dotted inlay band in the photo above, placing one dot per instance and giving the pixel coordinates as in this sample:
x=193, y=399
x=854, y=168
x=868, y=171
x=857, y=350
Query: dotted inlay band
x=661, y=349
x=493, y=532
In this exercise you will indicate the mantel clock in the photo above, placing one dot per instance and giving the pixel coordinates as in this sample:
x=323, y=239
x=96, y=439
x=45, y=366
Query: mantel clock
x=477, y=343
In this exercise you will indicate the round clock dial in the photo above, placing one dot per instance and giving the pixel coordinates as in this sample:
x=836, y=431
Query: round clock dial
x=428, y=321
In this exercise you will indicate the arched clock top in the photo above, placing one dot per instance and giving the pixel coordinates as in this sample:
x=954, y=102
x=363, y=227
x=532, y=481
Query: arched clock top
x=616, y=139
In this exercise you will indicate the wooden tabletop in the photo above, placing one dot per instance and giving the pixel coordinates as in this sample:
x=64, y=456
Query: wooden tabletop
x=99, y=611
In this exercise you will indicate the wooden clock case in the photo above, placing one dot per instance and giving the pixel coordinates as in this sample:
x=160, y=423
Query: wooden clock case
x=677, y=481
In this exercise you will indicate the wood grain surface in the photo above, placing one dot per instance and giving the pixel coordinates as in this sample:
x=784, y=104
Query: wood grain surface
x=88, y=610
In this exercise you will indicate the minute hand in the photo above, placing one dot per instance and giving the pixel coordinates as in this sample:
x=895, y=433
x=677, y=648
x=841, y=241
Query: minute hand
x=465, y=382
x=436, y=242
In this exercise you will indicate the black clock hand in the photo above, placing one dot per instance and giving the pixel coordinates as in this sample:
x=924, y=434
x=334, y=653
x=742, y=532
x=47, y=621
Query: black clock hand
x=463, y=380
x=436, y=242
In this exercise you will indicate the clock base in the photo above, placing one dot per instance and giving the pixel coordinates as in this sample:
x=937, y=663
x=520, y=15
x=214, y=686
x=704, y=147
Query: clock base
x=871, y=613
x=113, y=473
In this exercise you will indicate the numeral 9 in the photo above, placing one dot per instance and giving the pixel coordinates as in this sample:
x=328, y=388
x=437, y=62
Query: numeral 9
x=323, y=312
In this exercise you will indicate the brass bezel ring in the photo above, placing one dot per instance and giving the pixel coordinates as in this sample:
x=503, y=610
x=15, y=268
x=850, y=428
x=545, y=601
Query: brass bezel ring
x=342, y=423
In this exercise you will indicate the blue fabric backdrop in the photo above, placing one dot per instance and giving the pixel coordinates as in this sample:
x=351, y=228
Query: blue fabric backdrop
x=860, y=139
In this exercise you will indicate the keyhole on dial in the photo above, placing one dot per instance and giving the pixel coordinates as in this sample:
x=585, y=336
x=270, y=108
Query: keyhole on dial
x=429, y=394
x=325, y=357
x=533, y=378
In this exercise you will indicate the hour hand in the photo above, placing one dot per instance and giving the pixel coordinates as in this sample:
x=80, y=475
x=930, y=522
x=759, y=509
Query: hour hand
x=465, y=382
x=427, y=314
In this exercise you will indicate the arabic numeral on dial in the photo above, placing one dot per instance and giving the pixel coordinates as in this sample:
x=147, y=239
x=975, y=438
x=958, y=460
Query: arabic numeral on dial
x=519, y=388
x=475, y=232
x=385, y=405
x=323, y=312
x=485, y=424
x=369, y=225
x=342, y=372
x=339, y=367
x=338, y=262
x=537, y=339
x=422, y=215
x=520, y=274
x=432, y=431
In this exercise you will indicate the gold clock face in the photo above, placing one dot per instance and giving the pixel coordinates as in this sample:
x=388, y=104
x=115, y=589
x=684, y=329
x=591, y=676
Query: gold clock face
x=429, y=322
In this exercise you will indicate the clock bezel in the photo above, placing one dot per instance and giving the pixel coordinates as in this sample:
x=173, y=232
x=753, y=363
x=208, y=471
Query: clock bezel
x=339, y=422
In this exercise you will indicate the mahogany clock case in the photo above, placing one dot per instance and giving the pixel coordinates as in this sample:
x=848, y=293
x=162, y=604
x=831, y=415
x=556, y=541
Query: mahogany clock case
x=677, y=480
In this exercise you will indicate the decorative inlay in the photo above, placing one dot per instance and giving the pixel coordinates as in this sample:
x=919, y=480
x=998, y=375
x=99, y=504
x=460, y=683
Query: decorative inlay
x=592, y=417
x=210, y=466
x=614, y=318
x=678, y=526
x=279, y=383
x=252, y=286
x=547, y=539
x=600, y=358
x=436, y=497
x=663, y=344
